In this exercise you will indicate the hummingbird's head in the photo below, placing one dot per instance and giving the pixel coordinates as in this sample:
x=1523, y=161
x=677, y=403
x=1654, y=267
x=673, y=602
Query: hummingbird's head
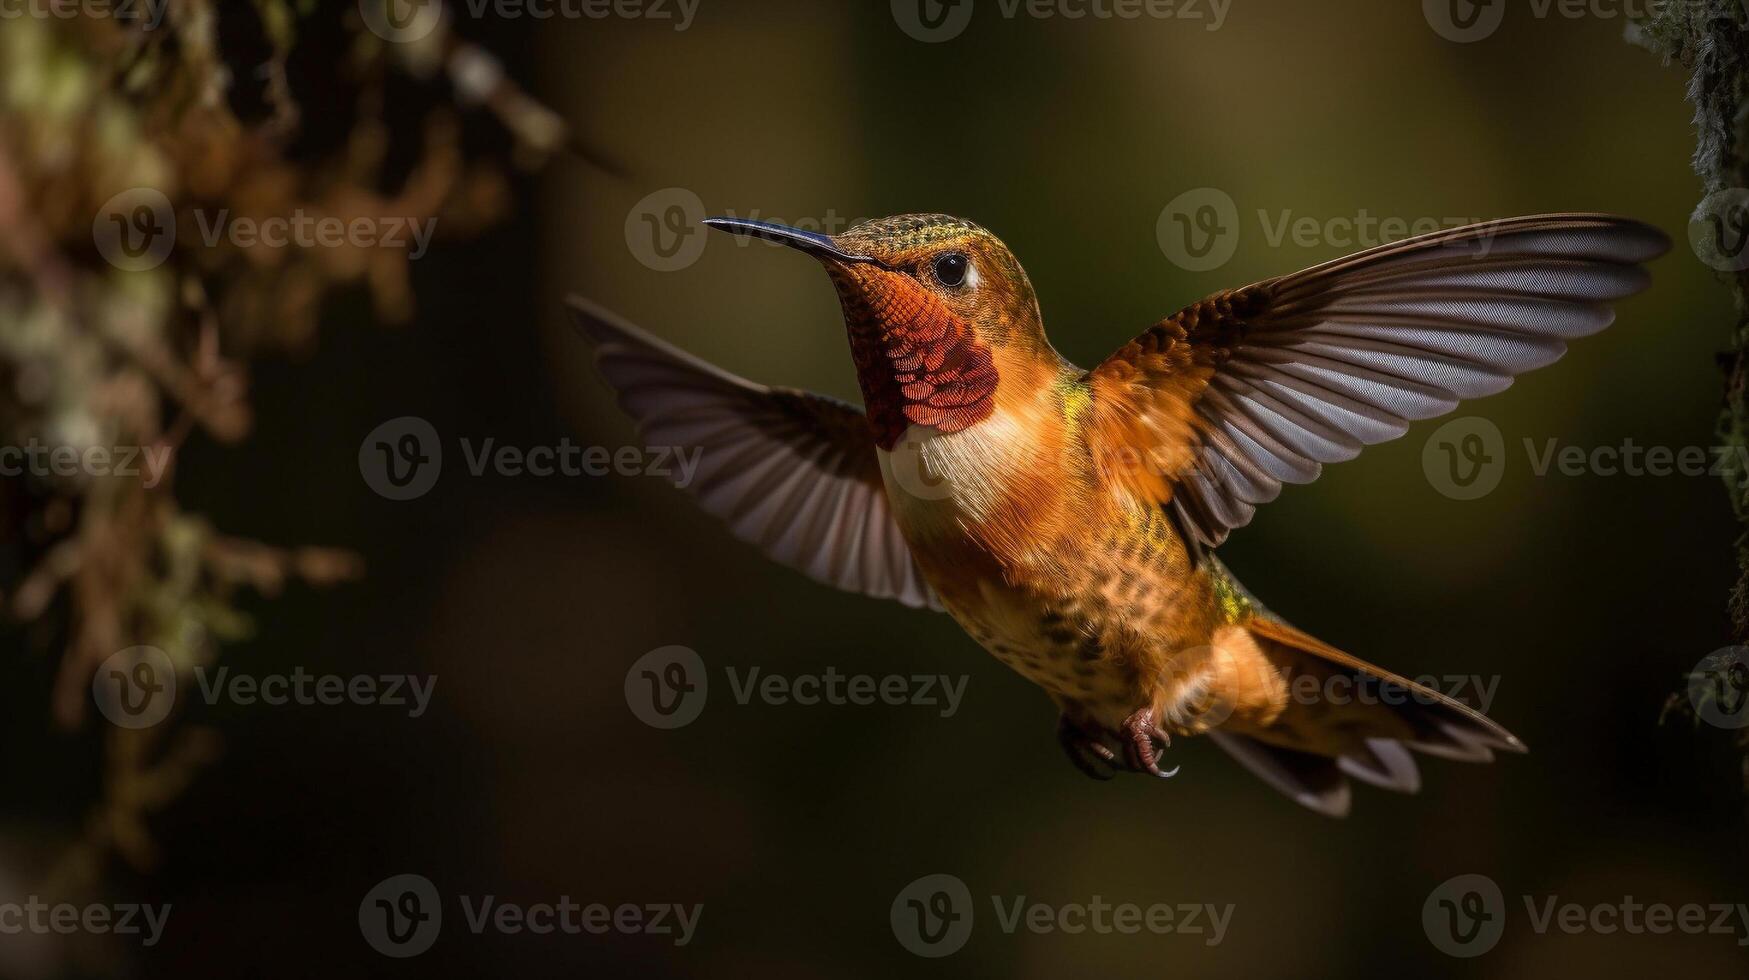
x=939, y=314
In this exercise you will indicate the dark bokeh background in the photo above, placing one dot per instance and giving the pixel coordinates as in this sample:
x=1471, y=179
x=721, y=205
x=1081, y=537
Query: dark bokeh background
x=1589, y=597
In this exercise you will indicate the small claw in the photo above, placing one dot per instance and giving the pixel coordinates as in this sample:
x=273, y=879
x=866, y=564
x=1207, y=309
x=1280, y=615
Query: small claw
x=1165, y=743
x=1141, y=733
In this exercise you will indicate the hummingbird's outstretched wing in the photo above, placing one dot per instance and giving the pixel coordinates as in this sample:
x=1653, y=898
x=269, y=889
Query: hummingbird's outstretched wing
x=792, y=472
x=1230, y=398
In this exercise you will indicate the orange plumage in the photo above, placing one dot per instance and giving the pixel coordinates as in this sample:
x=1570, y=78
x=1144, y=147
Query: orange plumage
x=1067, y=518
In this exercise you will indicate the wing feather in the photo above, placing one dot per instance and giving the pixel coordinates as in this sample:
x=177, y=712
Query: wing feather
x=792, y=472
x=1267, y=383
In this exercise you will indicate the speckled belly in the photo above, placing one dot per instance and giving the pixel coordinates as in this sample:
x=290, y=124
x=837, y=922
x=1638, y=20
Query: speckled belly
x=1091, y=603
x=1058, y=652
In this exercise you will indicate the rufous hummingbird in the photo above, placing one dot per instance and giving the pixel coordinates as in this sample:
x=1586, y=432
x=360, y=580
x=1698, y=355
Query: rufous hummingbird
x=1067, y=519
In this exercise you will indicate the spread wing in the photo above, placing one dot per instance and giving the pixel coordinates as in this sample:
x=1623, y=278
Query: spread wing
x=792, y=472
x=1214, y=408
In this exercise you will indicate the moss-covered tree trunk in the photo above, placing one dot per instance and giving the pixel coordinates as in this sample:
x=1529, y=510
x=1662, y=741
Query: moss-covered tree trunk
x=1711, y=39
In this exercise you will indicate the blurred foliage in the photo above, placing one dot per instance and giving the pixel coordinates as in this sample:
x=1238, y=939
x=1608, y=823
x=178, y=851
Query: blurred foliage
x=93, y=355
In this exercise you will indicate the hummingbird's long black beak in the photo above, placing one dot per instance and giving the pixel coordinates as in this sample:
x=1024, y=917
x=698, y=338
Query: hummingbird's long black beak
x=812, y=242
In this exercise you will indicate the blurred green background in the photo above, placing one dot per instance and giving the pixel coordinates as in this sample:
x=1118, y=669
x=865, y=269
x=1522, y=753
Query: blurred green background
x=1588, y=597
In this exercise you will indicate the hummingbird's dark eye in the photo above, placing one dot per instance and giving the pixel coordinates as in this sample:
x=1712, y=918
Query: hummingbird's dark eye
x=950, y=269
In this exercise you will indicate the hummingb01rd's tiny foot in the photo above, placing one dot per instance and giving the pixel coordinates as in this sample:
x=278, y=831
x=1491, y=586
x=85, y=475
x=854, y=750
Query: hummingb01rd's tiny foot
x=1067, y=519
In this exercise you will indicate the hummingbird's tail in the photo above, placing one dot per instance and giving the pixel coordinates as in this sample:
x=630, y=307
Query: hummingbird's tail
x=1348, y=718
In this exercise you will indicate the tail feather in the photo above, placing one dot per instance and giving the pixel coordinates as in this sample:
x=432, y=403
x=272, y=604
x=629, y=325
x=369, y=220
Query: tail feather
x=1312, y=781
x=1446, y=740
x=1383, y=763
x=1311, y=749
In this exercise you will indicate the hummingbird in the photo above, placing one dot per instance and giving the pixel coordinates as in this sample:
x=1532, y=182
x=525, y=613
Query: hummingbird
x=1068, y=519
